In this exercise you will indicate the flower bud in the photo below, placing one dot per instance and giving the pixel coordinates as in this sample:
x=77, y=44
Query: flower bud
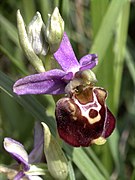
x=54, y=30
x=26, y=45
x=56, y=160
x=36, y=35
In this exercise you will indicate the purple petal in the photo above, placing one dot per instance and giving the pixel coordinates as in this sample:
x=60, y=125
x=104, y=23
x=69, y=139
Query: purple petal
x=66, y=57
x=88, y=62
x=17, y=151
x=38, y=133
x=49, y=82
x=37, y=153
x=19, y=175
x=69, y=76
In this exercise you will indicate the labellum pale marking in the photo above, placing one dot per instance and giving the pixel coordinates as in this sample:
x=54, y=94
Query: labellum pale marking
x=91, y=109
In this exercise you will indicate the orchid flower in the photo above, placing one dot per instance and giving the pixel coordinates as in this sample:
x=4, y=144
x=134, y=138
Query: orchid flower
x=25, y=161
x=55, y=80
x=82, y=117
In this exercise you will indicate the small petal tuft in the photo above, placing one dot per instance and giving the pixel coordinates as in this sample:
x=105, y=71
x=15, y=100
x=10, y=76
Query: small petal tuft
x=88, y=62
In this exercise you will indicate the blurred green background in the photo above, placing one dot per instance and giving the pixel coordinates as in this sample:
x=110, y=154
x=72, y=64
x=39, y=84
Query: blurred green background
x=105, y=27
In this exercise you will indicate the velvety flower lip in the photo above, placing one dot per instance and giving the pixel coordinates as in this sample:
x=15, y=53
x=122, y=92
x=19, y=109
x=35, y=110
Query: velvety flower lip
x=54, y=81
x=84, y=120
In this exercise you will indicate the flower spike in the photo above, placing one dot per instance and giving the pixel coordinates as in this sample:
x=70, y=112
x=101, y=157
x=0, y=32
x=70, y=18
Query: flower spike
x=82, y=116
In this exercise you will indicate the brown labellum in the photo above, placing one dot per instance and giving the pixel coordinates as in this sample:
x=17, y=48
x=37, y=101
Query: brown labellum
x=83, y=118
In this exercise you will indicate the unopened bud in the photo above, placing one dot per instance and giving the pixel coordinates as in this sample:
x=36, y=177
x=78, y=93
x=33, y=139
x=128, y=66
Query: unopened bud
x=36, y=35
x=56, y=160
x=26, y=45
x=54, y=30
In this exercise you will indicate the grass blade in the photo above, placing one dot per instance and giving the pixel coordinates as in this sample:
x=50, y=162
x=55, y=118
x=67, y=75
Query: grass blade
x=29, y=10
x=10, y=29
x=120, y=52
x=130, y=64
x=106, y=29
x=100, y=7
x=28, y=102
x=98, y=163
x=82, y=161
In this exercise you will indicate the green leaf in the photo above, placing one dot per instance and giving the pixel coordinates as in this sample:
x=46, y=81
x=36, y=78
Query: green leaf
x=133, y=175
x=107, y=28
x=29, y=102
x=84, y=163
x=120, y=44
x=100, y=7
x=97, y=162
x=29, y=9
x=114, y=147
x=130, y=64
x=10, y=29
x=15, y=61
x=71, y=171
